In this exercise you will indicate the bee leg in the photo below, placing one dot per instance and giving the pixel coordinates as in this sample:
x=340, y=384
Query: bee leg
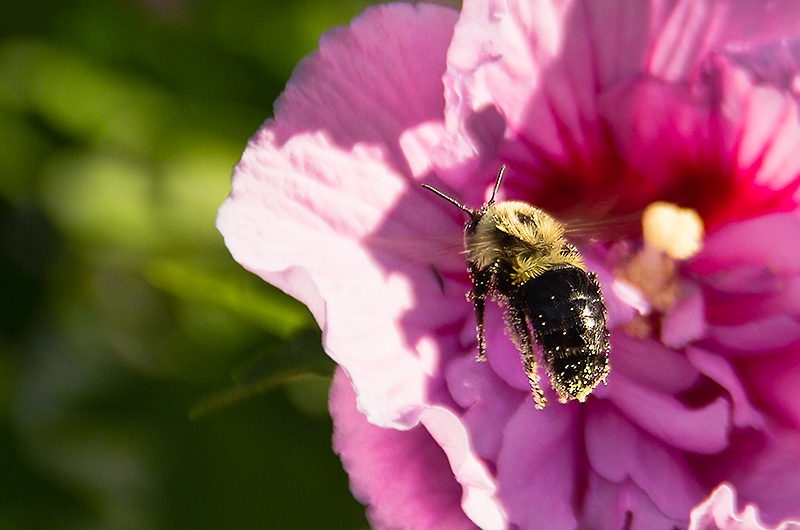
x=521, y=333
x=481, y=283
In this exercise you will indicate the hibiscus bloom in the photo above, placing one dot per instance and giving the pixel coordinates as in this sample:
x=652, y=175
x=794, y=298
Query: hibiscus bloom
x=594, y=106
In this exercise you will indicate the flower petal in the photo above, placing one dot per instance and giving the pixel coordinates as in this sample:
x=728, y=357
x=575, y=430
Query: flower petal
x=328, y=216
x=774, y=380
x=373, y=80
x=686, y=322
x=285, y=221
x=703, y=430
x=718, y=512
x=537, y=467
x=720, y=370
x=524, y=70
x=618, y=451
x=776, y=63
x=693, y=28
x=651, y=365
x=479, y=501
x=757, y=337
x=771, y=241
x=622, y=505
x=488, y=400
x=403, y=476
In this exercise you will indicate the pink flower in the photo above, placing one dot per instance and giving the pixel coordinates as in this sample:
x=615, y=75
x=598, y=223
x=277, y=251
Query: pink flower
x=594, y=106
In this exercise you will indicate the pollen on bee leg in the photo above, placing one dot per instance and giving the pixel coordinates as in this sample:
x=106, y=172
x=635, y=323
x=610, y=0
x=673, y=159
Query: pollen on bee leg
x=538, y=395
x=536, y=390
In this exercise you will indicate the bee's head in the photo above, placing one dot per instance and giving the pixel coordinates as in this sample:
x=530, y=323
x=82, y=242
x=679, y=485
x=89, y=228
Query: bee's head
x=575, y=376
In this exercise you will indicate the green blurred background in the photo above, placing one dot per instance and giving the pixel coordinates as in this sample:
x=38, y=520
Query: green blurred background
x=147, y=380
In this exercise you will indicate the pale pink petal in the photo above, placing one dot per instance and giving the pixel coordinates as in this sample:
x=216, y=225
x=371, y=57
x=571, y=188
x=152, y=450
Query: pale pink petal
x=403, y=476
x=694, y=28
x=551, y=80
x=631, y=297
x=744, y=280
x=765, y=118
x=776, y=63
x=619, y=451
x=278, y=230
x=418, y=145
x=310, y=211
x=479, y=500
x=371, y=81
x=506, y=79
x=536, y=471
x=703, y=430
x=719, y=512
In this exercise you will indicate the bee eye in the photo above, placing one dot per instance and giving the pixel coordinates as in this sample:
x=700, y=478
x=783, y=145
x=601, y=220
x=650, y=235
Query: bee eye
x=525, y=219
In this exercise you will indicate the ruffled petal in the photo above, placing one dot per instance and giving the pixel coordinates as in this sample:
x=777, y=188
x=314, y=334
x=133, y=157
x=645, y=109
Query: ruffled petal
x=403, y=476
x=619, y=452
x=479, y=501
x=545, y=86
x=330, y=217
x=704, y=430
x=373, y=80
x=718, y=512
x=692, y=29
x=686, y=321
x=775, y=63
x=758, y=337
x=722, y=372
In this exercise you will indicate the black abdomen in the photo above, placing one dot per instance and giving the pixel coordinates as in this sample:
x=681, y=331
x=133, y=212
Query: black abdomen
x=565, y=310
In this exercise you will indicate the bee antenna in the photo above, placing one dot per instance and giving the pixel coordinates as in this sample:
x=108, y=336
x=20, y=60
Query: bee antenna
x=497, y=184
x=448, y=198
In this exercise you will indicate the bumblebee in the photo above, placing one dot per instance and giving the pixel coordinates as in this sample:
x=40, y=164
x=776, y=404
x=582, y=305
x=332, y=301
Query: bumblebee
x=518, y=253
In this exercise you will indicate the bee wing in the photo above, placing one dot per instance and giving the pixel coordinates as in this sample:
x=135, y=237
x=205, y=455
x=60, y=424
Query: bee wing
x=604, y=229
x=443, y=253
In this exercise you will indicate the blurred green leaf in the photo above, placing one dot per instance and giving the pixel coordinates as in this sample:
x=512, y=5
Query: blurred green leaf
x=195, y=179
x=80, y=98
x=22, y=149
x=101, y=200
x=257, y=303
x=301, y=365
x=120, y=122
